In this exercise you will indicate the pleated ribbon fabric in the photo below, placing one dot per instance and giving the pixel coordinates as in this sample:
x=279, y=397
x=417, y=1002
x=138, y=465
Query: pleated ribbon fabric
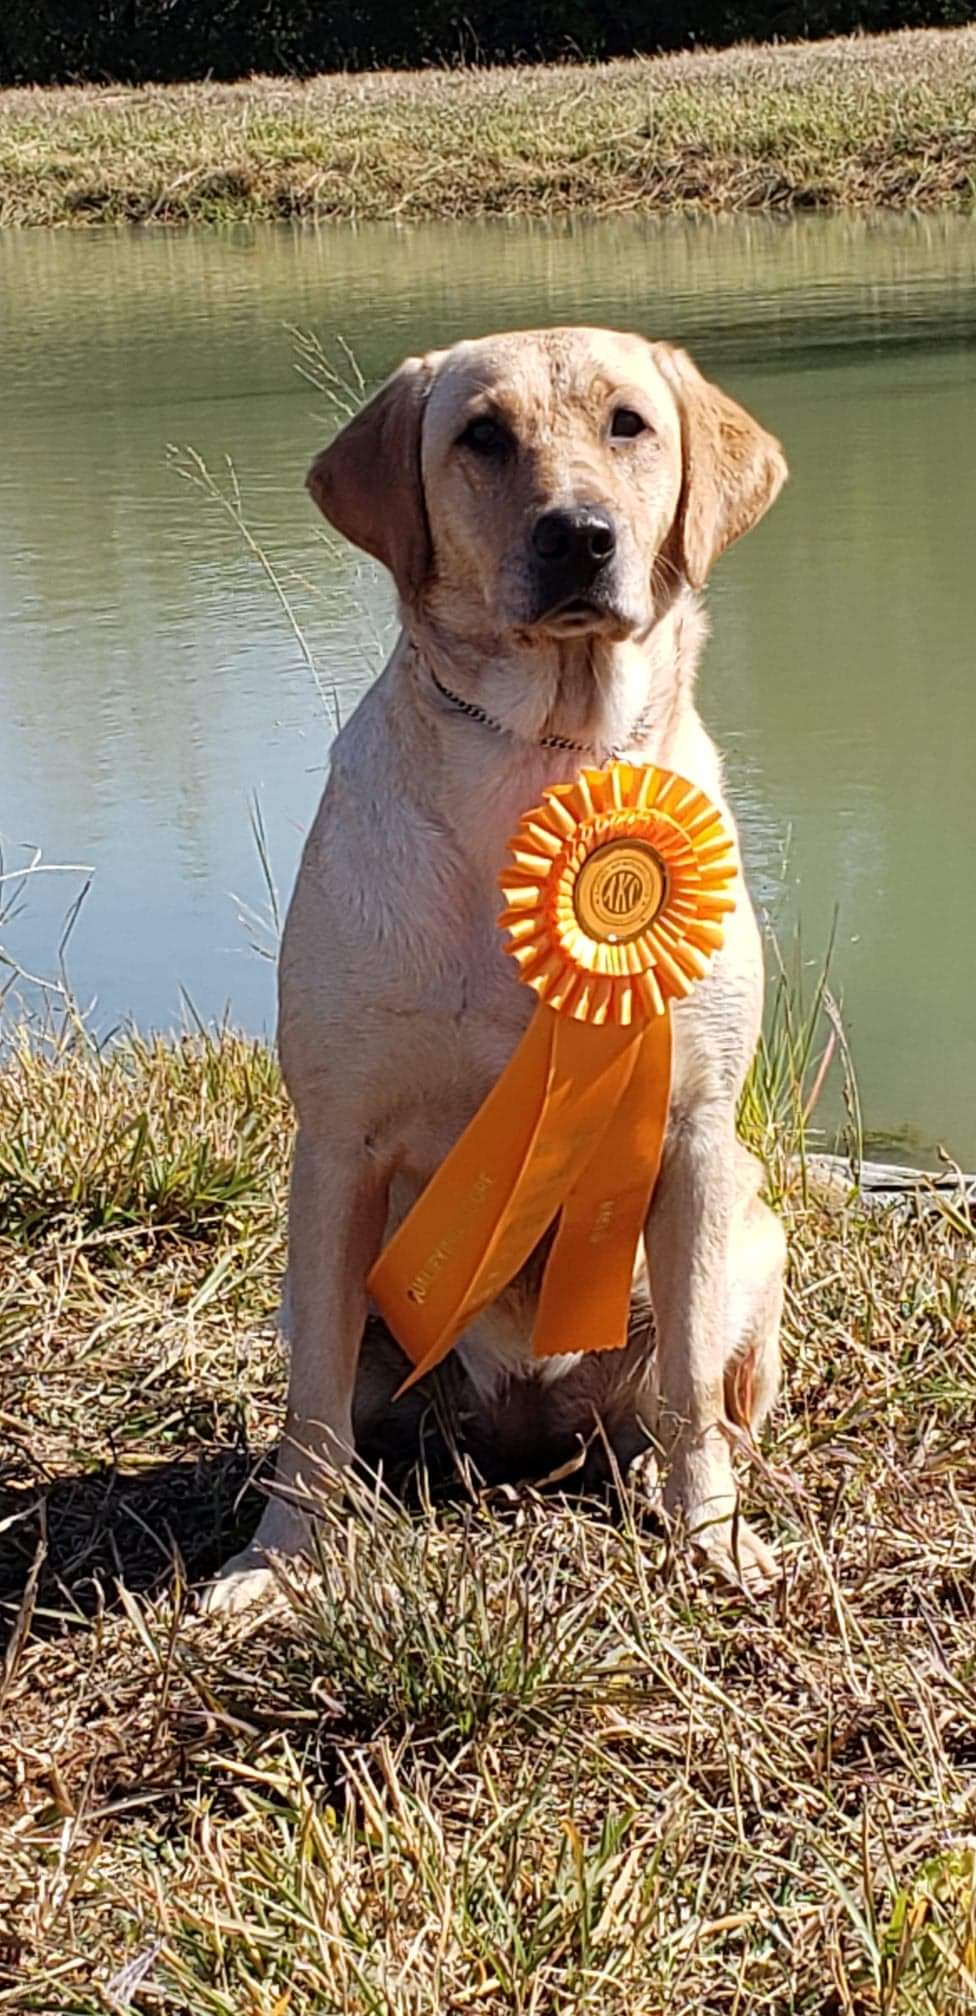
x=615, y=894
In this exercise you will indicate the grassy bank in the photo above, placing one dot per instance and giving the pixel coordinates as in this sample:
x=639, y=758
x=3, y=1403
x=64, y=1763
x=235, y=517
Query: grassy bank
x=853, y=123
x=517, y=1757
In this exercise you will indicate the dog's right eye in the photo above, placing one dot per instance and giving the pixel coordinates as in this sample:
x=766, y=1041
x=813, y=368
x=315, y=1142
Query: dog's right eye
x=485, y=437
x=626, y=424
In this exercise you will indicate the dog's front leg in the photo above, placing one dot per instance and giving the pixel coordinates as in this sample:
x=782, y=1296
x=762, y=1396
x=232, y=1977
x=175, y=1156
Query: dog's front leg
x=336, y=1219
x=687, y=1240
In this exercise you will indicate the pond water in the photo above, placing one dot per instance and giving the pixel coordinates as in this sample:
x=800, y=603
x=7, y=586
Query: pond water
x=153, y=689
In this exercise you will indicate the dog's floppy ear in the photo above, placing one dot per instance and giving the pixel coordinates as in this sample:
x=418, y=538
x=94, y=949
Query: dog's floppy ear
x=733, y=470
x=367, y=483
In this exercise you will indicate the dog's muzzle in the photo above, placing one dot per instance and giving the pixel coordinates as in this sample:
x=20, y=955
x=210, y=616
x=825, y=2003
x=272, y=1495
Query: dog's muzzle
x=573, y=552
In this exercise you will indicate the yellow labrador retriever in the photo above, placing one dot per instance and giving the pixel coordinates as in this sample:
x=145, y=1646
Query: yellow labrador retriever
x=549, y=505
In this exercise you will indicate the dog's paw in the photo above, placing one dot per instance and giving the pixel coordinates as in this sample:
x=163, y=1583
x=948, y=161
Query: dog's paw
x=702, y=1492
x=737, y=1555
x=244, y=1582
x=249, y=1579
x=644, y=1478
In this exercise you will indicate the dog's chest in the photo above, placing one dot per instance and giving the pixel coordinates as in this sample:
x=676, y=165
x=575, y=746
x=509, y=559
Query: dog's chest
x=473, y=1028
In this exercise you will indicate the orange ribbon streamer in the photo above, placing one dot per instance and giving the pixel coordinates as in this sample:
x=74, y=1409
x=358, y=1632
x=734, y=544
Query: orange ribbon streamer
x=615, y=894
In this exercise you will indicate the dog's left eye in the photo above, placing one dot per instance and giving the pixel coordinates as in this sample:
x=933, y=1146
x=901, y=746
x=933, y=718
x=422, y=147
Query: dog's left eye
x=626, y=424
x=486, y=437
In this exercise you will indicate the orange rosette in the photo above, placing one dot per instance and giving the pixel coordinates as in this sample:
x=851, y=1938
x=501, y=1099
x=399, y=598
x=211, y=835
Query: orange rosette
x=616, y=892
x=615, y=895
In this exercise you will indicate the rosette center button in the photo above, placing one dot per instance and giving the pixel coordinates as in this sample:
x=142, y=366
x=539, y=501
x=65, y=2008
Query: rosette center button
x=620, y=888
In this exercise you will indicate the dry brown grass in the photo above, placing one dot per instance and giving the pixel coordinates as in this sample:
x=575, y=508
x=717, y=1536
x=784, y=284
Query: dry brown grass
x=510, y=1754
x=856, y=123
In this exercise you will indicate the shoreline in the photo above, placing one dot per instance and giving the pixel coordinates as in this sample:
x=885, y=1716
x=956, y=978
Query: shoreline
x=859, y=123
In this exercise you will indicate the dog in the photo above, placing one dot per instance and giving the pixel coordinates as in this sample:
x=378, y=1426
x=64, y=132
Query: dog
x=549, y=505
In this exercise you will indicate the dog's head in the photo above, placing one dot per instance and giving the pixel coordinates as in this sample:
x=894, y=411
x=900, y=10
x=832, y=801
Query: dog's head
x=557, y=483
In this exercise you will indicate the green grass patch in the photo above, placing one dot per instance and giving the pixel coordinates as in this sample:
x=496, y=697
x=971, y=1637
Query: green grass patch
x=144, y=1133
x=857, y=123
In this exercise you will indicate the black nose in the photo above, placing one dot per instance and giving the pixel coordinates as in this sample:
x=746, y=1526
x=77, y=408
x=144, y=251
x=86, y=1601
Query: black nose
x=579, y=541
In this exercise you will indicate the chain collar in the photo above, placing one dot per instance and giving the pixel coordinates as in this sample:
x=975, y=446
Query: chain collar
x=486, y=720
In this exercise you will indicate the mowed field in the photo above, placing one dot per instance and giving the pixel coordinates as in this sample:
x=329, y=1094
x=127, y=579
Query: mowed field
x=857, y=123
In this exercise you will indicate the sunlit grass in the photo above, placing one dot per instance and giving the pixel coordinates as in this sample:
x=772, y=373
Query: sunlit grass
x=513, y=1753
x=143, y=1133
x=856, y=123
